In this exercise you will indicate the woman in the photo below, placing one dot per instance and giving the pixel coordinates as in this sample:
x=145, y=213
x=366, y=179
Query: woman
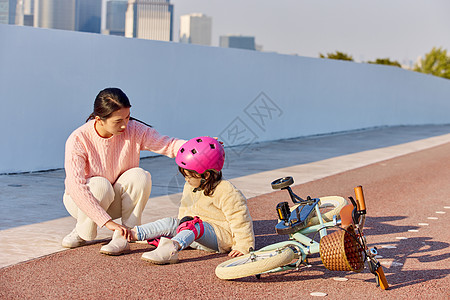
x=103, y=178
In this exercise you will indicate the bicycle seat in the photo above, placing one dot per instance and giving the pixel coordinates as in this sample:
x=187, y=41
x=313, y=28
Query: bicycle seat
x=298, y=219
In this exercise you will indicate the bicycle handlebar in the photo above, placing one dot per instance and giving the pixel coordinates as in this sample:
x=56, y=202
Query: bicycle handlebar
x=360, y=214
x=382, y=281
x=361, y=203
x=361, y=206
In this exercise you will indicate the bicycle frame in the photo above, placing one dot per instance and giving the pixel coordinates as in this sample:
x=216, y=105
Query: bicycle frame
x=303, y=244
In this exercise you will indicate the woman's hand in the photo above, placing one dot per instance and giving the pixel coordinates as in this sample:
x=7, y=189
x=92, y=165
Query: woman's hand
x=124, y=231
x=235, y=253
x=217, y=139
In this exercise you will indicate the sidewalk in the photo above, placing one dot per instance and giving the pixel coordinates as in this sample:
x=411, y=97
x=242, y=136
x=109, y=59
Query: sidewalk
x=33, y=219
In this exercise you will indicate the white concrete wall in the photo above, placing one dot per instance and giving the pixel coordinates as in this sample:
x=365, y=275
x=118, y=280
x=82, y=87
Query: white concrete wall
x=49, y=80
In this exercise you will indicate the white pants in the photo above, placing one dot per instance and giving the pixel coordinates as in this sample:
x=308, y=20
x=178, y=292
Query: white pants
x=125, y=199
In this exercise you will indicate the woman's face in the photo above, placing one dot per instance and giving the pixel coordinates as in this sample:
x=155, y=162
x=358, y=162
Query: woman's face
x=115, y=124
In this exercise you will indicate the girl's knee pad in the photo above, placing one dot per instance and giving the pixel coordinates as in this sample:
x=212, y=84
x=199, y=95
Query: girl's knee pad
x=188, y=223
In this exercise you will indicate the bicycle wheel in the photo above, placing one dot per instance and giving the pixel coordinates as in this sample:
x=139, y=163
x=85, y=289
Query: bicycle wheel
x=329, y=206
x=262, y=261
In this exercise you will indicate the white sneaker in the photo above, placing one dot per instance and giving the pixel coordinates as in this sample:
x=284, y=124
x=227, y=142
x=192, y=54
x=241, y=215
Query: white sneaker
x=166, y=253
x=72, y=240
x=117, y=246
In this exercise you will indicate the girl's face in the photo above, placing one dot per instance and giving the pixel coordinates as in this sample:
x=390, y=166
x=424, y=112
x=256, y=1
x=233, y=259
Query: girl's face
x=194, y=179
x=114, y=125
x=195, y=182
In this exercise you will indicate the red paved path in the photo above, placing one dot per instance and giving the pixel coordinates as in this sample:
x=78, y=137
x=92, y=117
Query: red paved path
x=400, y=193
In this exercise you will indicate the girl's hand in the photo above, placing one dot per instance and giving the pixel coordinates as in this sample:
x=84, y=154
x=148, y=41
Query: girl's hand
x=124, y=231
x=235, y=253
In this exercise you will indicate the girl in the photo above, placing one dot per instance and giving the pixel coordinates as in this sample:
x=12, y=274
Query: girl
x=103, y=179
x=213, y=213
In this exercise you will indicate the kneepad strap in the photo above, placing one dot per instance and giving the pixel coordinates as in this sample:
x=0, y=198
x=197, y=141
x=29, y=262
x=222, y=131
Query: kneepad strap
x=189, y=224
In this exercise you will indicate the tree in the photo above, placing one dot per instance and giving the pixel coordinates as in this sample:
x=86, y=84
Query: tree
x=338, y=55
x=385, y=61
x=436, y=62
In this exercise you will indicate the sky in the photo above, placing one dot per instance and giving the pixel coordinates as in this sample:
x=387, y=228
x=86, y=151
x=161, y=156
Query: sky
x=401, y=30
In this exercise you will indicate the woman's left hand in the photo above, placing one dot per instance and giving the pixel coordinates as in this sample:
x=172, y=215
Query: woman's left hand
x=124, y=231
x=217, y=139
x=235, y=253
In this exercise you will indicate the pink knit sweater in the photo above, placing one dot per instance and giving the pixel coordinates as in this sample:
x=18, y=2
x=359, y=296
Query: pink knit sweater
x=89, y=155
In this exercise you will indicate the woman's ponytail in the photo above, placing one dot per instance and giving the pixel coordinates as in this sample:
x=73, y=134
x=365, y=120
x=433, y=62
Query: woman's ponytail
x=134, y=119
x=91, y=117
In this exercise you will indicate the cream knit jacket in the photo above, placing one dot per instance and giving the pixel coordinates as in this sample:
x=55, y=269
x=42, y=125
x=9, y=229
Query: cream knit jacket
x=226, y=210
x=89, y=155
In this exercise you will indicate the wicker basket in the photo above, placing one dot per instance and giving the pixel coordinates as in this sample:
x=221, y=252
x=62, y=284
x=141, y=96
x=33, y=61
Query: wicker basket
x=340, y=251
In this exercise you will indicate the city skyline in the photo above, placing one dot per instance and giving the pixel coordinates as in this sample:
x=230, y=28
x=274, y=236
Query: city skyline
x=401, y=30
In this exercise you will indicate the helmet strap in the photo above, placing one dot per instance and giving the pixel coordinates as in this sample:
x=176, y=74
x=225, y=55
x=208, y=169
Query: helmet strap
x=200, y=187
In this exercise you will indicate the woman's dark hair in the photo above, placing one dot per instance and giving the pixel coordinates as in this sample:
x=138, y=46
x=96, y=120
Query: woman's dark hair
x=108, y=101
x=208, y=185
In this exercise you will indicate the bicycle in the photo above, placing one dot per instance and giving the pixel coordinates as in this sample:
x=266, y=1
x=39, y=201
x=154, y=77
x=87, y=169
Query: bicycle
x=342, y=250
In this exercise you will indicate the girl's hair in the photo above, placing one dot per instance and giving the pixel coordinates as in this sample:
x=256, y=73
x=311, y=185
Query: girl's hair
x=208, y=185
x=108, y=101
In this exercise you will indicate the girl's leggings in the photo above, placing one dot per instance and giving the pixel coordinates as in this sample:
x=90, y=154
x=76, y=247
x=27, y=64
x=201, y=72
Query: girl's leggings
x=168, y=227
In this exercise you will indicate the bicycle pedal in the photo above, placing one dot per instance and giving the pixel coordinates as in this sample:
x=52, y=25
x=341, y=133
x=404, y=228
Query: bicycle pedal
x=303, y=267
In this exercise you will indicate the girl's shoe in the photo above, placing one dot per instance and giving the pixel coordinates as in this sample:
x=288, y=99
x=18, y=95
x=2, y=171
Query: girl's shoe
x=117, y=246
x=153, y=243
x=166, y=253
x=72, y=240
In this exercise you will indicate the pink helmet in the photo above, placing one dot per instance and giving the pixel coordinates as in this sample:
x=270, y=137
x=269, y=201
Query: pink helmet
x=201, y=154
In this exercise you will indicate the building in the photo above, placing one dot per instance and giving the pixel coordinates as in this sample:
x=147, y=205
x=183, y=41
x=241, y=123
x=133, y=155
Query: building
x=196, y=29
x=88, y=15
x=77, y=15
x=56, y=14
x=115, y=17
x=19, y=17
x=149, y=19
x=8, y=11
x=26, y=12
x=237, y=41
